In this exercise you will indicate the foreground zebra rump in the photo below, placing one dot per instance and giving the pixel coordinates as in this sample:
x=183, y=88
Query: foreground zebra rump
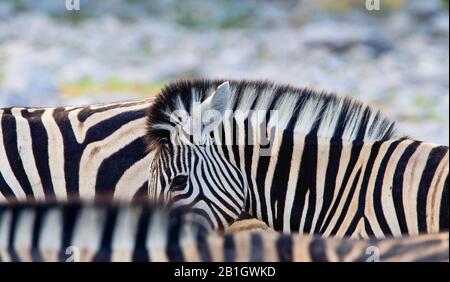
x=139, y=232
x=74, y=152
x=335, y=167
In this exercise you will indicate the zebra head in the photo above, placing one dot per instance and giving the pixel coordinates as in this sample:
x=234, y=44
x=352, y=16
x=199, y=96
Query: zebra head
x=188, y=169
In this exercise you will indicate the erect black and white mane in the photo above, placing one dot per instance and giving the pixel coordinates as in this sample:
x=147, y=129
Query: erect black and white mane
x=301, y=110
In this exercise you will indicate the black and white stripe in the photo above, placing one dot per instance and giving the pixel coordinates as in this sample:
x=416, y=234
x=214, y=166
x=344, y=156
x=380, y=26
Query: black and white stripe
x=139, y=232
x=335, y=166
x=73, y=152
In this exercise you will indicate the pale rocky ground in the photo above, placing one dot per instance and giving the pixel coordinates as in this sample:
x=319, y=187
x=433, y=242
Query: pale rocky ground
x=395, y=59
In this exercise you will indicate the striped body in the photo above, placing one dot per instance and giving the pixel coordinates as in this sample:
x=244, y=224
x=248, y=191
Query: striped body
x=333, y=166
x=73, y=152
x=138, y=232
x=362, y=190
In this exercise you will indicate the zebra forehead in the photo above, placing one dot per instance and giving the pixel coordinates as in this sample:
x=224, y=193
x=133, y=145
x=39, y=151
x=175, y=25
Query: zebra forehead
x=305, y=110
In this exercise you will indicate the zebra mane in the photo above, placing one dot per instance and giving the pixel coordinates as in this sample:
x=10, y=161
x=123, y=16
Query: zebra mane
x=302, y=110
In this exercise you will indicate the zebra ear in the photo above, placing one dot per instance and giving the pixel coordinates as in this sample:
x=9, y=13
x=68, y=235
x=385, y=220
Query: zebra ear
x=213, y=108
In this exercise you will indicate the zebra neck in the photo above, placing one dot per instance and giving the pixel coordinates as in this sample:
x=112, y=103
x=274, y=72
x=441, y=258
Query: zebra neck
x=333, y=187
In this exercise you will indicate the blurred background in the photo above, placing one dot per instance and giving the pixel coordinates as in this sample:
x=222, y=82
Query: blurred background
x=395, y=58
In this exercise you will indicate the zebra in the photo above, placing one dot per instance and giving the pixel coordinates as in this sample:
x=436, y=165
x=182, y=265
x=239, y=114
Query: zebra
x=138, y=231
x=80, y=152
x=74, y=152
x=314, y=163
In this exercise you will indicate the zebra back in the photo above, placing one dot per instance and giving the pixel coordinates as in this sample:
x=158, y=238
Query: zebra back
x=73, y=152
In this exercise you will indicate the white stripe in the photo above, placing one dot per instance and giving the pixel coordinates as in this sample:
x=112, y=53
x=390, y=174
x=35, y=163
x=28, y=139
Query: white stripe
x=23, y=235
x=268, y=181
x=301, y=228
x=88, y=231
x=5, y=225
x=5, y=169
x=55, y=154
x=323, y=155
x=25, y=148
x=50, y=239
x=125, y=233
x=411, y=180
x=157, y=236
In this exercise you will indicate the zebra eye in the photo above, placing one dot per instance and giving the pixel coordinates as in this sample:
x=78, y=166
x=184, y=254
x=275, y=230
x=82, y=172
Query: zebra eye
x=179, y=180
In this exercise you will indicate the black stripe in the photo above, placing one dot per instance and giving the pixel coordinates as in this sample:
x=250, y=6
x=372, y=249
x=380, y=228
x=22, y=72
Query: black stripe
x=40, y=212
x=9, y=128
x=317, y=250
x=173, y=249
x=203, y=248
x=250, y=204
x=368, y=228
x=435, y=157
x=113, y=168
x=140, y=253
x=105, y=128
x=281, y=178
x=70, y=214
x=257, y=248
x=443, y=213
x=306, y=181
x=15, y=214
x=39, y=138
x=72, y=152
x=104, y=252
x=284, y=247
x=3, y=212
x=261, y=173
x=343, y=249
x=397, y=185
x=377, y=201
x=311, y=167
x=364, y=119
x=229, y=248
